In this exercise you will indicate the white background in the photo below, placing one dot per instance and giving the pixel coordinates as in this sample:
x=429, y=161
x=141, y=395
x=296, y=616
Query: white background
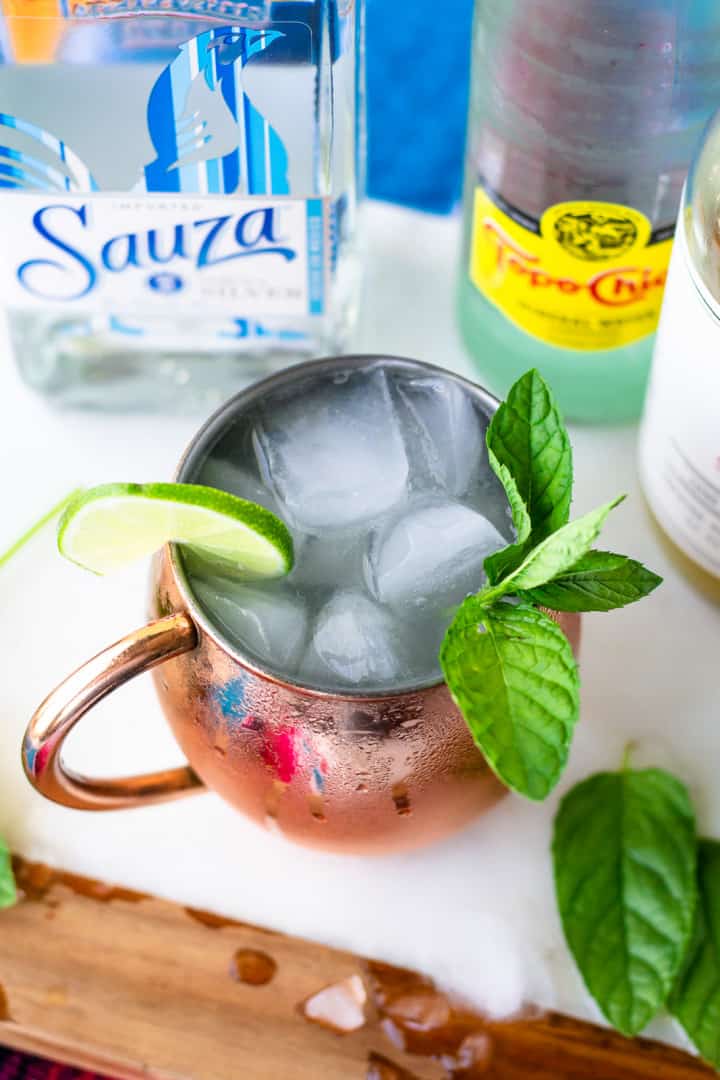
x=477, y=911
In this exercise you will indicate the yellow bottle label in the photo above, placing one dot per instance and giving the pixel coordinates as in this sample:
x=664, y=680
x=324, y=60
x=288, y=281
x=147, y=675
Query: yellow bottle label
x=588, y=275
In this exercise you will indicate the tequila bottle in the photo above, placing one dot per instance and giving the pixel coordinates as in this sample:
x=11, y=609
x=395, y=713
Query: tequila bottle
x=179, y=191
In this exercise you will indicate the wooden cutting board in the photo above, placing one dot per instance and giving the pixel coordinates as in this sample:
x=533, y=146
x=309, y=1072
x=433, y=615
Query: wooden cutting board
x=132, y=986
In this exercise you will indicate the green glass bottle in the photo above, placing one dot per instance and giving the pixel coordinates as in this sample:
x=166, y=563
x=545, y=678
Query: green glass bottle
x=583, y=119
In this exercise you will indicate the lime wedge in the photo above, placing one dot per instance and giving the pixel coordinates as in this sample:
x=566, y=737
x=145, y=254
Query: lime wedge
x=109, y=526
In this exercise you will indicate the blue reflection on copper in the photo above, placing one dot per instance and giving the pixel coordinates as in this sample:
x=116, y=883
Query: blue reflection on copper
x=230, y=698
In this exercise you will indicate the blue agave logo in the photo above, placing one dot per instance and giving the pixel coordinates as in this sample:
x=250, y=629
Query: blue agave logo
x=208, y=135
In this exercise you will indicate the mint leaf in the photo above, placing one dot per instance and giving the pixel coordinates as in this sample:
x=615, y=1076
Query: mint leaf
x=8, y=893
x=695, y=999
x=502, y=562
x=624, y=853
x=512, y=674
x=599, y=581
x=528, y=437
x=556, y=554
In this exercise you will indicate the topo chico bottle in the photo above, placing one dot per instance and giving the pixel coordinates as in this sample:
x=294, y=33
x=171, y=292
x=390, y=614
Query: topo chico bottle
x=179, y=190
x=680, y=433
x=583, y=117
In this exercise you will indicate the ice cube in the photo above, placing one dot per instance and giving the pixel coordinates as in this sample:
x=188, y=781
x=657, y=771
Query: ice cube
x=270, y=622
x=422, y=635
x=332, y=561
x=444, y=435
x=432, y=556
x=354, y=644
x=227, y=475
x=334, y=454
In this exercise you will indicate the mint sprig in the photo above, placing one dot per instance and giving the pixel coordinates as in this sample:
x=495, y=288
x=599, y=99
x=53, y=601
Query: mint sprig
x=517, y=693
x=624, y=855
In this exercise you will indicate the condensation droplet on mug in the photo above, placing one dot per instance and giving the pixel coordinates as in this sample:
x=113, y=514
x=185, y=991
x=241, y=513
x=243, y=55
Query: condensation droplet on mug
x=339, y=1007
x=272, y=804
x=362, y=788
x=381, y=1068
x=317, y=807
x=253, y=967
x=221, y=744
x=401, y=798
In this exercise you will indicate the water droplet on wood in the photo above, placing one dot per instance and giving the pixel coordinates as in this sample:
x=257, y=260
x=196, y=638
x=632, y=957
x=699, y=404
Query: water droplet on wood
x=252, y=967
x=418, y=1018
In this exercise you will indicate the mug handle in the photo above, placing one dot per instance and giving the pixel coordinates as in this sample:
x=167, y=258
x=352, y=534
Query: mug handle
x=60, y=711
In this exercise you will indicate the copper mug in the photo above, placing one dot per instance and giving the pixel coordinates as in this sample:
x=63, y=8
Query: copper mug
x=341, y=771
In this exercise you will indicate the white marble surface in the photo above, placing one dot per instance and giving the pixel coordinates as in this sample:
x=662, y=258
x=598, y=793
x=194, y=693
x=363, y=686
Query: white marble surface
x=478, y=911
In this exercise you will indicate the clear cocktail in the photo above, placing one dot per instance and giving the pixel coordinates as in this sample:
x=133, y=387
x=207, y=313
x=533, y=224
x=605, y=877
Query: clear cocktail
x=382, y=475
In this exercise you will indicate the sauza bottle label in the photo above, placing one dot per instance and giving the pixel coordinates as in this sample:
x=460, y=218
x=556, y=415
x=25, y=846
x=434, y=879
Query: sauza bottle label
x=153, y=252
x=587, y=275
x=210, y=219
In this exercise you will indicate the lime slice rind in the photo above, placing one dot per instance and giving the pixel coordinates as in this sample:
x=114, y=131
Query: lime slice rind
x=107, y=527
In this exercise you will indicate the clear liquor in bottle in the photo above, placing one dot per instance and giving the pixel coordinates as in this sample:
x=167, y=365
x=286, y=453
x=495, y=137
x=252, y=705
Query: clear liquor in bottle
x=180, y=189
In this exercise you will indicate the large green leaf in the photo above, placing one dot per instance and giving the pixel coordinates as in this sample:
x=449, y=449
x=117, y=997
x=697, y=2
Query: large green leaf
x=512, y=673
x=599, y=581
x=695, y=999
x=528, y=437
x=624, y=852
